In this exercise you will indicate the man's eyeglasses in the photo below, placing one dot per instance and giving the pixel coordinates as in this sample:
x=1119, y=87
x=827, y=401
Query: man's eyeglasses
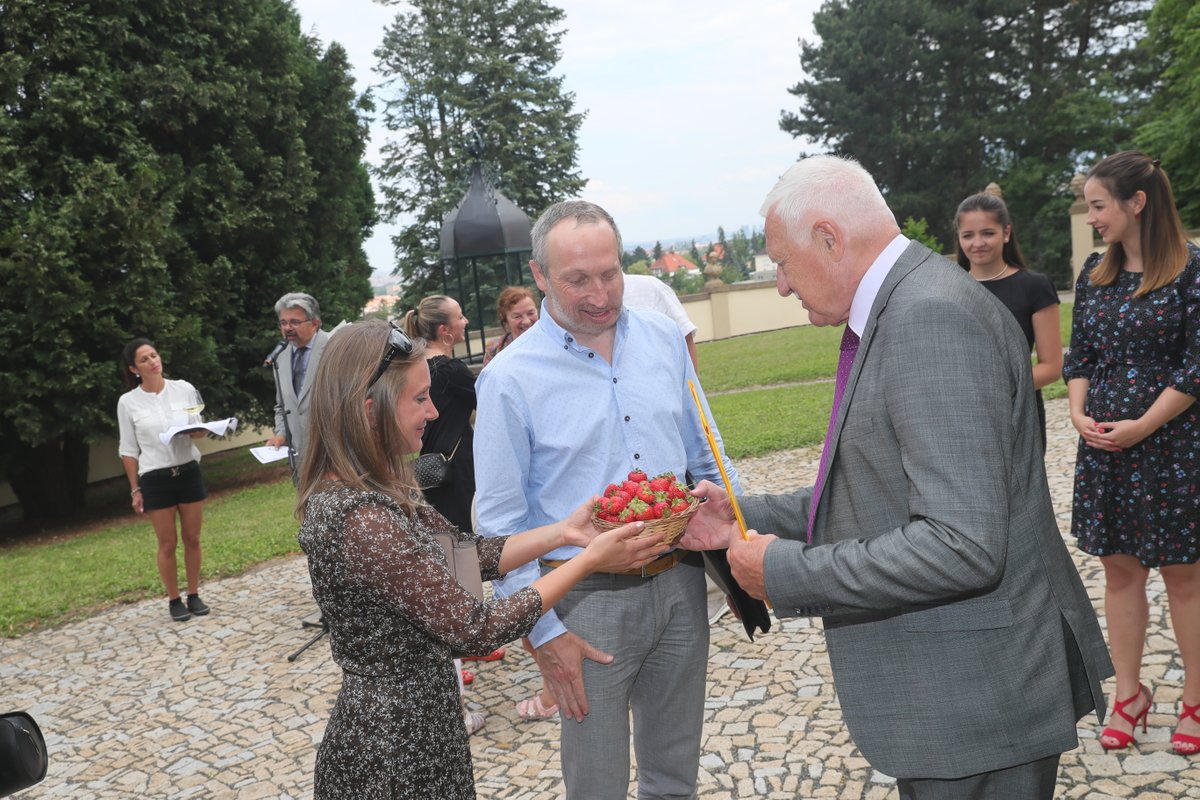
x=398, y=342
x=293, y=323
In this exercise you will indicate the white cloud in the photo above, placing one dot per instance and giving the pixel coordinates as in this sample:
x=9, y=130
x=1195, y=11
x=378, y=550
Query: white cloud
x=683, y=102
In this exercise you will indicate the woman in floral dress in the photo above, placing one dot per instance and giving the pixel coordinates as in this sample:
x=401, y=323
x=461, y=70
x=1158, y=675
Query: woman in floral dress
x=1133, y=373
x=396, y=615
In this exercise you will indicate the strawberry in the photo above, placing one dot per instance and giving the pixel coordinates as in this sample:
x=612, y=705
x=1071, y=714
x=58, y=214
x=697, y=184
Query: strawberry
x=677, y=490
x=661, y=510
x=660, y=484
x=611, y=489
x=646, y=496
x=637, y=476
x=631, y=487
x=680, y=506
x=626, y=516
x=616, y=504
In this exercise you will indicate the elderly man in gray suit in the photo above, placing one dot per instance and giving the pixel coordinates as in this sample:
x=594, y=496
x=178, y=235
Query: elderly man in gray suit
x=300, y=325
x=963, y=645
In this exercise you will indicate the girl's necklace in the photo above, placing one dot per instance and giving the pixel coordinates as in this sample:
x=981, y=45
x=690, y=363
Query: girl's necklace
x=1003, y=269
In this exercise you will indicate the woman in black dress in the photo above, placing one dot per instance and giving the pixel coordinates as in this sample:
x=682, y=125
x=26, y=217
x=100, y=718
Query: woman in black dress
x=988, y=249
x=1133, y=374
x=439, y=320
x=396, y=615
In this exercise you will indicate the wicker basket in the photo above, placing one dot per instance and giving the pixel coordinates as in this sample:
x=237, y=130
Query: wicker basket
x=666, y=530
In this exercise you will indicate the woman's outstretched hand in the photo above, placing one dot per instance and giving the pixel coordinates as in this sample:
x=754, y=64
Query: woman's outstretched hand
x=609, y=550
x=623, y=548
x=577, y=528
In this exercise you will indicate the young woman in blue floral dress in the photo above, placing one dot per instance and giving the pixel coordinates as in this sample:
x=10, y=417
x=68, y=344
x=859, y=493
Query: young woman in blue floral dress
x=1133, y=375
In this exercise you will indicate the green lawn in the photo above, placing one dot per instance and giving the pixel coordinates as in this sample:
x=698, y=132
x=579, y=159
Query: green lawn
x=58, y=576
x=69, y=576
x=764, y=420
x=763, y=359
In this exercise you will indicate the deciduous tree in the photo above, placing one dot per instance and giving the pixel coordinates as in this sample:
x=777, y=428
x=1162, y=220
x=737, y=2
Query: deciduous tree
x=1171, y=130
x=937, y=98
x=162, y=174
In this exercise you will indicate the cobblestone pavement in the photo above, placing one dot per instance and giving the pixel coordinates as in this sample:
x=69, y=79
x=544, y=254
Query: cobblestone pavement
x=134, y=705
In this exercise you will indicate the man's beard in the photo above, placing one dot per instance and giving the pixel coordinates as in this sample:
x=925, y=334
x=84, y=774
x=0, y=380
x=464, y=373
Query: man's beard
x=579, y=324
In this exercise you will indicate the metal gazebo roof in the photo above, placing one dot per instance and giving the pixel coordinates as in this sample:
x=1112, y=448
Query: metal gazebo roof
x=485, y=226
x=485, y=223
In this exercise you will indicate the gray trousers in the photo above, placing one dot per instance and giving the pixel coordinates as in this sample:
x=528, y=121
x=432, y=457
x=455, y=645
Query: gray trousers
x=1031, y=781
x=656, y=629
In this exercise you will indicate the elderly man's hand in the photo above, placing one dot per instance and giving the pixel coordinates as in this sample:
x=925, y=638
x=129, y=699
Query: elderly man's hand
x=746, y=559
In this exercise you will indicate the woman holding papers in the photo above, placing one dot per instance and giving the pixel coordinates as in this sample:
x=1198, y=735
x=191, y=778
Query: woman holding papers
x=164, y=479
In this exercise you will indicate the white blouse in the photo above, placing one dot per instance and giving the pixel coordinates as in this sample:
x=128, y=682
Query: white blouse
x=142, y=416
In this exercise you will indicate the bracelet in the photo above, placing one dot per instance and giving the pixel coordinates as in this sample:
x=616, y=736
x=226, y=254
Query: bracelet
x=135, y=491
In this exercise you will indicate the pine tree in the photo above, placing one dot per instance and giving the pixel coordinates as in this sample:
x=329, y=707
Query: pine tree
x=453, y=67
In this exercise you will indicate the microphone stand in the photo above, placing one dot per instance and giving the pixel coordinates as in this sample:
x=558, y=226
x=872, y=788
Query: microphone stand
x=287, y=431
x=321, y=624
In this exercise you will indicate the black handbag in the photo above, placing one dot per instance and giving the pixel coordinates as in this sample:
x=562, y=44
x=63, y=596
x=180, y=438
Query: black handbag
x=23, y=760
x=433, y=469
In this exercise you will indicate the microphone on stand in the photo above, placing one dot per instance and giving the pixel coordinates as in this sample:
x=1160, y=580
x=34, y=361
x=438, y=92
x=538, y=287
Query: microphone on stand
x=279, y=348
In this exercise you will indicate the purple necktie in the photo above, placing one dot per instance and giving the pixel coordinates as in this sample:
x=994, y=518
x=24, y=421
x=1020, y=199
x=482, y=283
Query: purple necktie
x=845, y=361
x=299, y=367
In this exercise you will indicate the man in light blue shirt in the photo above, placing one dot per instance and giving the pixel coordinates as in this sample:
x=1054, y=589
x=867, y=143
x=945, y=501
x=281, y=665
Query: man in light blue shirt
x=591, y=392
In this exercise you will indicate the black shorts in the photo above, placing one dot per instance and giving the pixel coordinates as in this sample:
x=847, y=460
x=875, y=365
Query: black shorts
x=168, y=487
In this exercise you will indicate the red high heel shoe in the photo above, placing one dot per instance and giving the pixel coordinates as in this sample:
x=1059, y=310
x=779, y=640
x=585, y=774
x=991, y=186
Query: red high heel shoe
x=1181, y=743
x=1121, y=738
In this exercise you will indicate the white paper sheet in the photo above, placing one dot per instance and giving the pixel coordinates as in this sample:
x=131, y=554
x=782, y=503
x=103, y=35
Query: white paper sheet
x=218, y=427
x=266, y=455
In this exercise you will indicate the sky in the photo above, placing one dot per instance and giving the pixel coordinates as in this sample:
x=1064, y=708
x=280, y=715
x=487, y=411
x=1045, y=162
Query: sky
x=682, y=98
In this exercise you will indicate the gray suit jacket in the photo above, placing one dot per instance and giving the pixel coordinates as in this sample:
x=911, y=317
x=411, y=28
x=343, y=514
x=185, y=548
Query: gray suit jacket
x=960, y=635
x=296, y=408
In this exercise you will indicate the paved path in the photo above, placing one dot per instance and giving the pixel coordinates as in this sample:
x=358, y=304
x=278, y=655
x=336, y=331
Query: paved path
x=136, y=706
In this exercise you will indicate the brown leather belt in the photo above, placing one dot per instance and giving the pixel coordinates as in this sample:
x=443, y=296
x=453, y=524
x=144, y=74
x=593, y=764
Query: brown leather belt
x=656, y=567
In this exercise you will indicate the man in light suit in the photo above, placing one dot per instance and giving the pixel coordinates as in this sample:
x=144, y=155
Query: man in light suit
x=962, y=643
x=300, y=324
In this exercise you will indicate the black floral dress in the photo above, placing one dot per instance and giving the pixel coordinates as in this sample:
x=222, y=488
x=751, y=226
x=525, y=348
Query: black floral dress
x=1143, y=501
x=396, y=618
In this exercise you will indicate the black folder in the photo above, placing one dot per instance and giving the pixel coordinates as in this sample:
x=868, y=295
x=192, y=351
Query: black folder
x=752, y=612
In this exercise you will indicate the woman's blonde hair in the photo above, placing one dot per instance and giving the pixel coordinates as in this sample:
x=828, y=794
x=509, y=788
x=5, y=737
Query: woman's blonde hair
x=430, y=314
x=365, y=450
x=1164, y=243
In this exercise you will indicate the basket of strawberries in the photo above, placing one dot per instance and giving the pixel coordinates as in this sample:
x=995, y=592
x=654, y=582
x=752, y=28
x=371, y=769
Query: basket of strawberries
x=661, y=502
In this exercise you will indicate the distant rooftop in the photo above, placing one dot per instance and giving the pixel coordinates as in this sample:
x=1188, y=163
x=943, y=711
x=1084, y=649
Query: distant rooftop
x=670, y=263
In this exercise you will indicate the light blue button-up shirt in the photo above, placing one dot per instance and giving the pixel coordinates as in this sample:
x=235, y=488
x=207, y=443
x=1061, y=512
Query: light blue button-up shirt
x=556, y=423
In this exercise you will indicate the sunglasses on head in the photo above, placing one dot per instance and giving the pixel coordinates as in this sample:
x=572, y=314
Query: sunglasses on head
x=398, y=342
